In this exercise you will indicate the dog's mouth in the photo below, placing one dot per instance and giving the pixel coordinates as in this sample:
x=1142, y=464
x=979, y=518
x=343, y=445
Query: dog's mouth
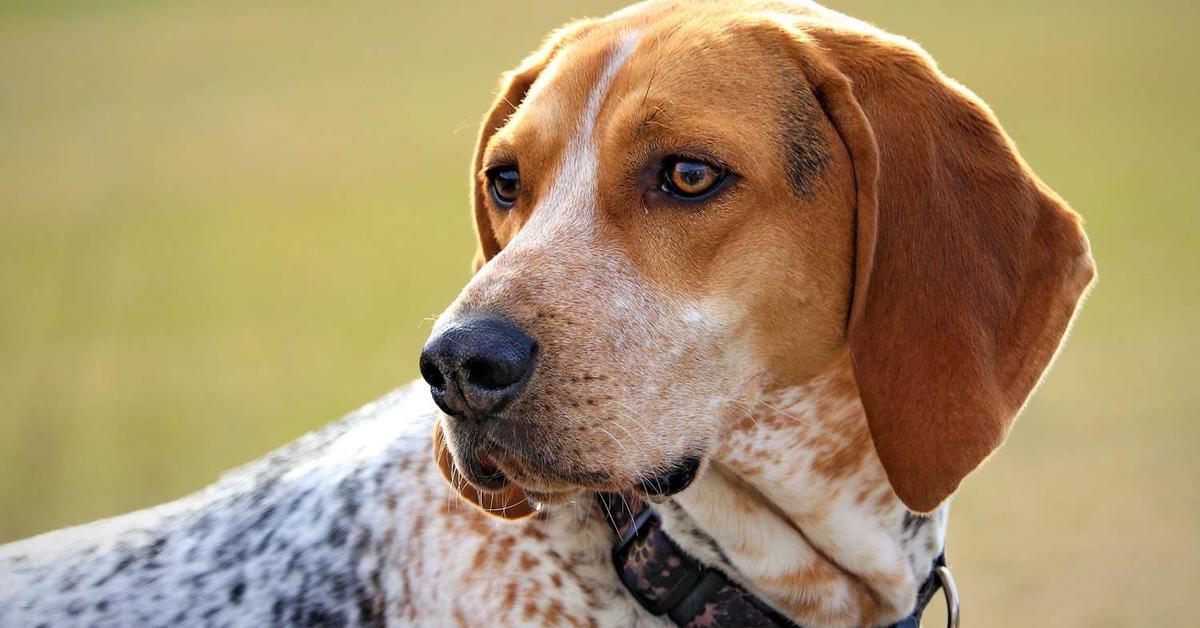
x=488, y=475
x=672, y=480
x=494, y=471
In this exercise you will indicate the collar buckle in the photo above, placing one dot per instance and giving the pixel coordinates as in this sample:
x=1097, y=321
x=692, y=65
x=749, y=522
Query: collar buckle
x=950, y=591
x=638, y=526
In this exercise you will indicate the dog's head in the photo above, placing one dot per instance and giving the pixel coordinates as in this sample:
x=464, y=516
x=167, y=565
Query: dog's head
x=686, y=205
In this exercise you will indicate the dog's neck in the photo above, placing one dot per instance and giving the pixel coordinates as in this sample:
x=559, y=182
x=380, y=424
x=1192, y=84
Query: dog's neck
x=799, y=509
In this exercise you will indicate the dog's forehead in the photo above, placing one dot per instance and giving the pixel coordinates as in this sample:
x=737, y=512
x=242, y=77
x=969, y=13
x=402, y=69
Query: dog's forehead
x=685, y=65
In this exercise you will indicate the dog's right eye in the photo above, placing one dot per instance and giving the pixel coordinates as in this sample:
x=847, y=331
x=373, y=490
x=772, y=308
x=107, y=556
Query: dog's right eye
x=690, y=179
x=505, y=185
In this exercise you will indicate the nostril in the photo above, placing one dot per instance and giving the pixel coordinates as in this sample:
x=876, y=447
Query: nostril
x=489, y=375
x=431, y=373
x=500, y=369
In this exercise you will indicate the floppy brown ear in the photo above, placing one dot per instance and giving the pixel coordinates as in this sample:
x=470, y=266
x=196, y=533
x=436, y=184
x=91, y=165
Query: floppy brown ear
x=514, y=85
x=968, y=268
x=509, y=503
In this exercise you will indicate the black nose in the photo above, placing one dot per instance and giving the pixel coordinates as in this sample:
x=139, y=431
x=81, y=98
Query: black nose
x=475, y=367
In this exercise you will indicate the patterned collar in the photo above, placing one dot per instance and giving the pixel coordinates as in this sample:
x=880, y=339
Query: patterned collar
x=667, y=581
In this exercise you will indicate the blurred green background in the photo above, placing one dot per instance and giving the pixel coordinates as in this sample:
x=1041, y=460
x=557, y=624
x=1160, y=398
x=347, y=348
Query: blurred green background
x=223, y=224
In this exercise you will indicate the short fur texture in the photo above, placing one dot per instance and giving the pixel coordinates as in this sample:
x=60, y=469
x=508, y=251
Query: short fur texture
x=841, y=335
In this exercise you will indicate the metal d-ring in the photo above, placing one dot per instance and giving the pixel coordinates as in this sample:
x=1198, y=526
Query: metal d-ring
x=951, y=592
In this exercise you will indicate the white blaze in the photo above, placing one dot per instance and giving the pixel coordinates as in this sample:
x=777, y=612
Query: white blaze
x=570, y=204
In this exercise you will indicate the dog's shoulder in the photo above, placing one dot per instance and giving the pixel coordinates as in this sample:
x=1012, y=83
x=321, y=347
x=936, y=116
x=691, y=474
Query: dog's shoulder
x=351, y=525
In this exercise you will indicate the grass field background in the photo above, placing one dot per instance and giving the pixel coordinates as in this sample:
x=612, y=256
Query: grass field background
x=223, y=224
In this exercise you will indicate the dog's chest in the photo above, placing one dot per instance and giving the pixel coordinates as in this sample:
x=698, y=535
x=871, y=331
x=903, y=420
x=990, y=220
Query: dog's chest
x=458, y=567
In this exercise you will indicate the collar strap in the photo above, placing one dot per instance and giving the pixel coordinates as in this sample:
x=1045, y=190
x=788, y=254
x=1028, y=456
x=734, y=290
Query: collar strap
x=667, y=581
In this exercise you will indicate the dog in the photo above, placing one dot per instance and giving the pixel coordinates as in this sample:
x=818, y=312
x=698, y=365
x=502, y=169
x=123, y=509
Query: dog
x=755, y=265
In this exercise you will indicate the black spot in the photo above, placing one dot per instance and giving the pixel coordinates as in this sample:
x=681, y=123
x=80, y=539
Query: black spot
x=318, y=511
x=292, y=562
x=199, y=581
x=264, y=542
x=264, y=517
x=368, y=611
x=337, y=535
x=807, y=154
x=69, y=582
x=202, y=526
x=913, y=523
x=145, y=581
x=102, y=605
x=265, y=487
x=362, y=542
x=338, y=585
x=348, y=490
x=76, y=607
x=319, y=616
x=236, y=591
x=122, y=565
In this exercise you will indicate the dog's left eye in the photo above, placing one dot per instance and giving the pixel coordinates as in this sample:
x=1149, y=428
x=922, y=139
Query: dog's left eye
x=505, y=186
x=690, y=179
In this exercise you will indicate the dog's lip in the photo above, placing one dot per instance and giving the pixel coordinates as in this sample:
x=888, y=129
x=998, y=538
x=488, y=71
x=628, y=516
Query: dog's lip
x=496, y=468
x=508, y=466
x=481, y=472
x=532, y=481
x=493, y=468
x=488, y=467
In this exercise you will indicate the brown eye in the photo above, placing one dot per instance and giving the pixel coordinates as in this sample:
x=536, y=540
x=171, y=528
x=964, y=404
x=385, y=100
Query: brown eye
x=690, y=179
x=505, y=184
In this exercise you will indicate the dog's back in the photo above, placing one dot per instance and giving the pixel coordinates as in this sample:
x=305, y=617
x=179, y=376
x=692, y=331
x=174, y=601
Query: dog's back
x=290, y=539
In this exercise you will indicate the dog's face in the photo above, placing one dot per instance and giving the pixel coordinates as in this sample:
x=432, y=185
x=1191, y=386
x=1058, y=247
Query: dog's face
x=657, y=214
x=671, y=215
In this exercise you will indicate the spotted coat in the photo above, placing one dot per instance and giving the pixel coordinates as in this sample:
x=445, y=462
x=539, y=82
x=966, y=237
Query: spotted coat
x=351, y=526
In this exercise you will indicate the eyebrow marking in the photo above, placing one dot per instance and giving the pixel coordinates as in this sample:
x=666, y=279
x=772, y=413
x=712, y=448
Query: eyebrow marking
x=806, y=152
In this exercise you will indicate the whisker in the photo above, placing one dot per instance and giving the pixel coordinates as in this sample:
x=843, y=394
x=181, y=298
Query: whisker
x=632, y=416
x=622, y=428
x=625, y=503
x=782, y=411
x=614, y=439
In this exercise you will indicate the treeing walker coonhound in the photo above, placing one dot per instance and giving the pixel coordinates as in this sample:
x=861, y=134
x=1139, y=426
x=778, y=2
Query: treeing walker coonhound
x=757, y=263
